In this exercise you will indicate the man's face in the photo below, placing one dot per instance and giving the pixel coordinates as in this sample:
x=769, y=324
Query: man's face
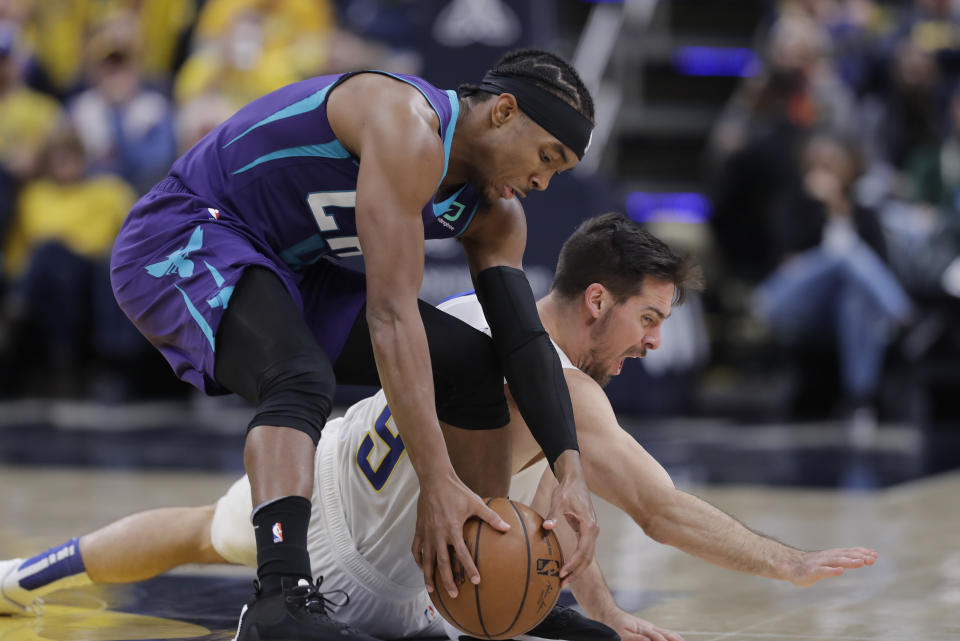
x=627, y=330
x=520, y=155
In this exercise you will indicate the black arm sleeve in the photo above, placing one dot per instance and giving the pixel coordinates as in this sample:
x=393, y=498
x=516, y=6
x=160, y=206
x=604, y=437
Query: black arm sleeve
x=529, y=360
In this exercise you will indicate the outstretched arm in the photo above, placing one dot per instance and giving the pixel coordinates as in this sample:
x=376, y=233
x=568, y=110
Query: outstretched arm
x=622, y=472
x=591, y=590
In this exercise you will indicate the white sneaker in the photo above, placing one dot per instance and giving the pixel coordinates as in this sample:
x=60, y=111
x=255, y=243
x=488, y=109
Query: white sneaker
x=8, y=605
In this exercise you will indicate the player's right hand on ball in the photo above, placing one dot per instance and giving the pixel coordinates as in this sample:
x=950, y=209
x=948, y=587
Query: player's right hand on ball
x=444, y=506
x=571, y=502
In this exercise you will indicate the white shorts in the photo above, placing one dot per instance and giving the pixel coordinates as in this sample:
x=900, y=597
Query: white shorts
x=377, y=604
x=363, y=517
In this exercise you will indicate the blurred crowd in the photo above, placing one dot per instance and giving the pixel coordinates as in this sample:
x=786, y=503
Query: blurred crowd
x=97, y=98
x=834, y=174
x=835, y=178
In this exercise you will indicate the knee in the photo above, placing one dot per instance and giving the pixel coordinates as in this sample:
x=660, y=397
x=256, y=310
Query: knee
x=206, y=551
x=297, y=393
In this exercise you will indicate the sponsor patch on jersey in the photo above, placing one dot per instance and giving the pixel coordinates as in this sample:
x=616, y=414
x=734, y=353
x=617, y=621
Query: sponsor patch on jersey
x=277, y=530
x=214, y=213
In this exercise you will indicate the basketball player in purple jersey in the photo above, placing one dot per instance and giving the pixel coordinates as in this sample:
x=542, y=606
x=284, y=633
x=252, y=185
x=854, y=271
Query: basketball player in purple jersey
x=227, y=267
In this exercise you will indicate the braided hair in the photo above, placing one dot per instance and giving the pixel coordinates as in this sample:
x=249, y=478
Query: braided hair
x=548, y=71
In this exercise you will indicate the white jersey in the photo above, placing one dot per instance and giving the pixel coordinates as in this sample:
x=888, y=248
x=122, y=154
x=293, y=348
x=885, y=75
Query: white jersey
x=364, y=513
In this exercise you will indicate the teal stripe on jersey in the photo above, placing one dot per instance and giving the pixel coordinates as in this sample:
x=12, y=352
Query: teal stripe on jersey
x=441, y=208
x=332, y=149
x=309, y=103
x=454, y=113
x=448, y=138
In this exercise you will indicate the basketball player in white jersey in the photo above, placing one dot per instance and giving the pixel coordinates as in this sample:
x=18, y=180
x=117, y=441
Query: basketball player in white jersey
x=614, y=287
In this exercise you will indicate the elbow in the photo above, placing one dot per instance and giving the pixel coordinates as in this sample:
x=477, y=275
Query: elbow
x=655, y=527
x=654, y=517
x=381, y=316
x=384, y=312
x=387, y=320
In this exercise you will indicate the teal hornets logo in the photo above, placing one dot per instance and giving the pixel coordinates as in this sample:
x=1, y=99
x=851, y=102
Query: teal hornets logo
x=455, y=211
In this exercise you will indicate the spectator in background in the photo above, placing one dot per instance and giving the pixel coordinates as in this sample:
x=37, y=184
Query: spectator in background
x=832, y=283
x=57, y=256
x=27, y=117
x=198, y=116
x=163, y=30
x=926, y=219
x=909, y=125
x=244, y=49
x=753, y=147
x=58, y=30
x=126, y=128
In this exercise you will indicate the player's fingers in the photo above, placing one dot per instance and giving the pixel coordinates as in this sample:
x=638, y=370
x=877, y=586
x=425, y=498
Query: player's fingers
x=469, y=567
x=427, y=564
x=868, y=556
x=555, y=513
x=845, y=561
x=672, y=636
x=572, y=566
x=489, y=516
x=416, y=549
x=446, y=573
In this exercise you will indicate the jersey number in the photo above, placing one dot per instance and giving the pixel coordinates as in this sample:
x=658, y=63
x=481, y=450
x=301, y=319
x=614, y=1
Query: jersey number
x=379, y=475
x=324, y=205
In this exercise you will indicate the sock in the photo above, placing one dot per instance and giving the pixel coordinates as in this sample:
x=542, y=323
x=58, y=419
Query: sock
x=280, y=527
x=58, y=568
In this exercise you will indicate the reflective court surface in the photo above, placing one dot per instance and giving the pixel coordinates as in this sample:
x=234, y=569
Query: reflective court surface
x=911, y=519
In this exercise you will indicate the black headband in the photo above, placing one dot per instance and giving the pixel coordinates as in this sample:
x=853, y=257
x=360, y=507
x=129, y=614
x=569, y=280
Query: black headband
x=564, y=122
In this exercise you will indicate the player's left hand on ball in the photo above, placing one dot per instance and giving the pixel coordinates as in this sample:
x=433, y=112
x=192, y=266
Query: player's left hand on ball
x=810, y=567
x=444, y=505
x=571, y=500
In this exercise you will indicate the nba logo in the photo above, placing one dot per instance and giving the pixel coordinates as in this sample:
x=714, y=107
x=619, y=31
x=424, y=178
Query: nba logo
x=277, y=532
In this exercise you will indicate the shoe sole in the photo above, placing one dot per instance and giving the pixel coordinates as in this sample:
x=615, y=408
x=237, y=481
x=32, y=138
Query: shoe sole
x=7, y=605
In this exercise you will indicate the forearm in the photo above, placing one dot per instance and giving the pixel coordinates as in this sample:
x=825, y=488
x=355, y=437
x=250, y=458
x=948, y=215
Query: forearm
x=589, y=588
x=403, y=362
x=698, y=528
x=529, y=360
x=593, y=595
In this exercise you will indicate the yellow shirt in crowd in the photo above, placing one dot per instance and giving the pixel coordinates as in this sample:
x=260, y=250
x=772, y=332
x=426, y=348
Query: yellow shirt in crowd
x=85, y=216
x=26, y=118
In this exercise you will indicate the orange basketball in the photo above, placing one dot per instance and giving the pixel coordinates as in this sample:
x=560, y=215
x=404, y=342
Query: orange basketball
x=519, y=575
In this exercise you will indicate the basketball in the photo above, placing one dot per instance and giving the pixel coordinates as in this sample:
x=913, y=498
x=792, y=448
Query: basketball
x=519, y=575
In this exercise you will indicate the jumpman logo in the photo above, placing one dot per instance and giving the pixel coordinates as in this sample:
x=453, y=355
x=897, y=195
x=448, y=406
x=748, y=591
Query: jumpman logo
x=178, y=261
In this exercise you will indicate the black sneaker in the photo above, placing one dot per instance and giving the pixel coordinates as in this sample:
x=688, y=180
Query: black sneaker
x=298, y=613
x=562, y=623
x=566, y=623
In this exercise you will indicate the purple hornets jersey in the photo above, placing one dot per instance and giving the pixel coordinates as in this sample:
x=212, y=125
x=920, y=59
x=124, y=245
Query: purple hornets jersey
x=271, y=187
x=278, y=168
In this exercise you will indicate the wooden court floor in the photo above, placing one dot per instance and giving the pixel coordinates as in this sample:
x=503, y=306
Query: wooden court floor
x=911, y=594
